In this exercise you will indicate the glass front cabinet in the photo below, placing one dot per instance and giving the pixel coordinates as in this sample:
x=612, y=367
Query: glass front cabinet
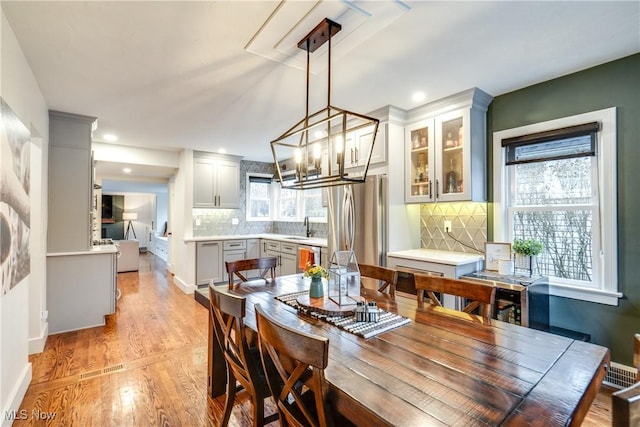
x=446, y=150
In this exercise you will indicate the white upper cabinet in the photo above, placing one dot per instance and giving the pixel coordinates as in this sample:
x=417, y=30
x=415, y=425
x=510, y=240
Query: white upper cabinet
x=446, y=150
x=358, y=146
x=216, y=181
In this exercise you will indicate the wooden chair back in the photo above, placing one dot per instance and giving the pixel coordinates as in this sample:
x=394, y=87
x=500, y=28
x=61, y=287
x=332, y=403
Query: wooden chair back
x=478, y=295
x=242, y=361
x=636, y=355
x=299, y=358
x=387, y=277
x=265, y=266
x=626, y=402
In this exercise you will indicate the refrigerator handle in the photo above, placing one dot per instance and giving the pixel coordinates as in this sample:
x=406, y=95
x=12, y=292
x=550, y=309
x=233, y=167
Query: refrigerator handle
x=348, y=218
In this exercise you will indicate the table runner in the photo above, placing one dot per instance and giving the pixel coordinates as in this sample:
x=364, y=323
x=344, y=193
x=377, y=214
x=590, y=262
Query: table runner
x=387, y=321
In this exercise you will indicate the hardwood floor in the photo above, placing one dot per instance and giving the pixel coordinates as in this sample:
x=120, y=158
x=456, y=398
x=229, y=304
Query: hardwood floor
x=146, y=366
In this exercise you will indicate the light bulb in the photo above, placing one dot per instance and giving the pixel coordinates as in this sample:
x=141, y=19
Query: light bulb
x=339, y=144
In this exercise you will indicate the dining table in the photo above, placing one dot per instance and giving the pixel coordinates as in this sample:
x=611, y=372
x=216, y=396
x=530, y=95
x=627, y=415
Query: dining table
x=438, y=368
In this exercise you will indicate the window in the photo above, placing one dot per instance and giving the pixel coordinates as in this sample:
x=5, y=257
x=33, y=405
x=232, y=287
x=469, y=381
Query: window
x=287, y=204
x=556, y=181
x=313, y=205
x=268, y=201
x=258, y=198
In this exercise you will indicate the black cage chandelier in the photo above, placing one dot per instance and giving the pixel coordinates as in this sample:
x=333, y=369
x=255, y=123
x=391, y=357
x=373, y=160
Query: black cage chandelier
x=329, y=147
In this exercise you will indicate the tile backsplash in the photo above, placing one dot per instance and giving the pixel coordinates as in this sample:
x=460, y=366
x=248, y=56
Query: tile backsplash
x=219, y=222
x=468, y=225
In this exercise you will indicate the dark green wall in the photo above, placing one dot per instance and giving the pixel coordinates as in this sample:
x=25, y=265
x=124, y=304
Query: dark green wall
x=615, y=84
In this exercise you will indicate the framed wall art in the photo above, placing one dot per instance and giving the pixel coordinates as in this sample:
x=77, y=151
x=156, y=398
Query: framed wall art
x=494, y=252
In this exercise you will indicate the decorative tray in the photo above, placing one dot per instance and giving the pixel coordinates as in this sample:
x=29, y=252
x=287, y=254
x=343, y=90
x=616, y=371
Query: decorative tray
x=386, y=321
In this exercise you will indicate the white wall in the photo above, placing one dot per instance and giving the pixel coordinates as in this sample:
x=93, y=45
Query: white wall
x=182, y=255
x=144, y=206
x=134, y=155
x=162, y=211
x=21, y=308
x=404, y=219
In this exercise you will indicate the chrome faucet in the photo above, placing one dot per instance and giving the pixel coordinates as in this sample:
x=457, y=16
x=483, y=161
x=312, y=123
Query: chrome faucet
x=307, y=224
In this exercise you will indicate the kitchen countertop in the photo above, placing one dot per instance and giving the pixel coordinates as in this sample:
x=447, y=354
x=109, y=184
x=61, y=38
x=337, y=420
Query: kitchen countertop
x=301, y=240
x=97, y=249
x=438, y=257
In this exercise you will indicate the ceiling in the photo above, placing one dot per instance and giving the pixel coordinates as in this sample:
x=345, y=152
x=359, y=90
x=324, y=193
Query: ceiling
x=227, y=75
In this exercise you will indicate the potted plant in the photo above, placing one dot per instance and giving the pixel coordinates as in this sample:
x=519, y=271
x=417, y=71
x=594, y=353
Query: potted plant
x=526, y=250
x=317, y=273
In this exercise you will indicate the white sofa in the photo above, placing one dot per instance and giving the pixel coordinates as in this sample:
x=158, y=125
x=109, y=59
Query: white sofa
x=129, y=253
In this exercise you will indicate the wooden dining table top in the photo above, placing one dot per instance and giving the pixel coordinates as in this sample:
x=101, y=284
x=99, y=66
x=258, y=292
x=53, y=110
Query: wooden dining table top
x=439, y=369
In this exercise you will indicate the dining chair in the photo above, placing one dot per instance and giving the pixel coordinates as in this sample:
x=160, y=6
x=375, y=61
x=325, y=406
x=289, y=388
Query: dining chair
x=626, y=402
x=265, y=265
x=243, y=362
x=477, y=295
x=300, y=358
x=387, y=277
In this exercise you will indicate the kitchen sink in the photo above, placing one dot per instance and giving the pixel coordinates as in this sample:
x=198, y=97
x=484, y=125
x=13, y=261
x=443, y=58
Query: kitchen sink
x=297, y=238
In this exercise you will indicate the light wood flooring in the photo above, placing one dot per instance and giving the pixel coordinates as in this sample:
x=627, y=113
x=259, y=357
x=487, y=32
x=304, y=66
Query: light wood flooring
x=146, y=366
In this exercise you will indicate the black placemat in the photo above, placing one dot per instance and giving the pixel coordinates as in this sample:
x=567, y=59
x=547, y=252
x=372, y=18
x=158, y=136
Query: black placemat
x=386, y=322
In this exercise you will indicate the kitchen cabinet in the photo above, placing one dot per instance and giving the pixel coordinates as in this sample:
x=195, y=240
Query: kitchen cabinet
x=233, y=250
x=286, y=253
x=432, y=262
x=253, y=251
x=209, y=266
x=216, y=181
x=288, y=259
x=82, y=299
x=160, y=247
x=70, y=206
x=446, y=150
x=358, y=145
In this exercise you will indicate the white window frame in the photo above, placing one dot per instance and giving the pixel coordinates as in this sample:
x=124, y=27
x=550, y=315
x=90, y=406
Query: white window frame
x=604, y=288
x=248, y=198
x=274, y=206
x=299, y=206
x=315, y=219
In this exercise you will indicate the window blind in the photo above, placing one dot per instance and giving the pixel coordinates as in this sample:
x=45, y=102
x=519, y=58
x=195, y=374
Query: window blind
x=260, y=179
x=563, y=143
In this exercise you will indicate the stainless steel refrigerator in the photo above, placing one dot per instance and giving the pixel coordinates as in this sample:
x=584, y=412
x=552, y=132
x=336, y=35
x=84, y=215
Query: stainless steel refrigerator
x=358, y=219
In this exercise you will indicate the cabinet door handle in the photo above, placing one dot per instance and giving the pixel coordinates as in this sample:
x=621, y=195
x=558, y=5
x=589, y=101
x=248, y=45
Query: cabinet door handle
x=437, y=192
x=356, y=150
x=211, y=244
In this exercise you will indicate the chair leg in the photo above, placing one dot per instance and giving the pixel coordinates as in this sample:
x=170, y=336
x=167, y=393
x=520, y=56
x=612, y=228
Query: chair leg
x=231, y=397
x=258, y=411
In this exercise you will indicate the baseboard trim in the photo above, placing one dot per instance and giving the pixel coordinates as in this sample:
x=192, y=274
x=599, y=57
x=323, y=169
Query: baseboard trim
x=184, y=287
x=36, y=345
x=17, y=396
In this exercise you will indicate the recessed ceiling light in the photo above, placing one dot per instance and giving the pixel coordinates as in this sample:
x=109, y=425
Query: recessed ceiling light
x=109, y=137
x=126, y=170
x=222, y=151
x=418, y=96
